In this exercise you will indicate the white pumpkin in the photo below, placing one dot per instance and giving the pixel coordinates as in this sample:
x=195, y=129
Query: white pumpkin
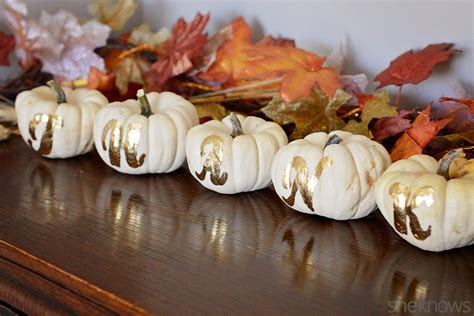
x=145, y=136
x=331, y=175
x=430, y=204
x=234, y=155
x=57, y=122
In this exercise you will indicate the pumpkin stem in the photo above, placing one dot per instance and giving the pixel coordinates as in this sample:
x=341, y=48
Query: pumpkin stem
x=60, y=95
x=144, y=103
x=333, y=140
x=236, y=126
x=445, y=162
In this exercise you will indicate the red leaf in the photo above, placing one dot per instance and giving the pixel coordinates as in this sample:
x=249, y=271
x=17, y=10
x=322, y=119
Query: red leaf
x=178, y=52
x=461, y=112
x=7, y=43
x=413, y=67
x=390, y=126
x=469, y=103
x=423, y=129
x=415, y=139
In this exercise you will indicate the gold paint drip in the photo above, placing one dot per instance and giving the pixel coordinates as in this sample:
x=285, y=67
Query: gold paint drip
x=128, y=143
x=213, y=160
x=52, y=122
x=304, y=182
x=402, y=208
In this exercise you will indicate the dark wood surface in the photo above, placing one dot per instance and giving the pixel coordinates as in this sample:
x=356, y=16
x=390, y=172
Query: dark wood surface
x=162, y=244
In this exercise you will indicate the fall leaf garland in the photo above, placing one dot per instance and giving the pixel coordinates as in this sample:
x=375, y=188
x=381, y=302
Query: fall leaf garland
x=229, y=71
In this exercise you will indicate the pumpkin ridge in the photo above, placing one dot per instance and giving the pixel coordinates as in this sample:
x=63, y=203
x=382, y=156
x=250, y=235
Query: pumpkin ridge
x=355, y=207
x=366, y=173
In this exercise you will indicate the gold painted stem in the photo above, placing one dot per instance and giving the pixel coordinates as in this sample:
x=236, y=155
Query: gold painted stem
x=236, y=126
x=445, y=162
x=333, y=140
x=144, y=103
x=60, y=95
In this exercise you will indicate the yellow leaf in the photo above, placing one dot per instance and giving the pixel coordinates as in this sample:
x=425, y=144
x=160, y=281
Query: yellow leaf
x=130, y=70
x=378, y=106
x=214, y=110
x=309, y=114
x=114, y=13
x=144, y=35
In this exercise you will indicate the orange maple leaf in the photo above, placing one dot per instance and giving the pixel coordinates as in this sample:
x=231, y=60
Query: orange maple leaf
x=230, y=59
x=415, y=139
x=300, y=71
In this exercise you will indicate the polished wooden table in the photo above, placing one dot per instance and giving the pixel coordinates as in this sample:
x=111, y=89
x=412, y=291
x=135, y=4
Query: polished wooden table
x=78, y=237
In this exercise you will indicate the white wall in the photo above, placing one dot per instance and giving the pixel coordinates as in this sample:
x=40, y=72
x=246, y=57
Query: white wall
x=377, y=31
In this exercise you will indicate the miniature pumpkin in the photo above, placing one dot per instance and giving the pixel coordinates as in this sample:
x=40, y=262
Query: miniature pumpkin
x=145, y=135
x=234, y=155
x=331, y=175
x=430, y=204
x=57, y=122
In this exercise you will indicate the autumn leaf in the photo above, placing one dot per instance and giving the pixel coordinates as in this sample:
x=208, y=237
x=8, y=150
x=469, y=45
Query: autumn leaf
x=178, y=52
x=114, y=13
x=230, y=59
x=405, y=147
x=461, y=113
x=212, y=111
x=275, y=41
x=316, y=112
x=208, y=55
x=415, y=139
x=386, y=127
x=64, y=46
x=414, y=67
x=7, y=43
x=300, y=71
x=440, y=145
x=100, y=80
x=469, y=103
x=375, y=106
x=142, y=34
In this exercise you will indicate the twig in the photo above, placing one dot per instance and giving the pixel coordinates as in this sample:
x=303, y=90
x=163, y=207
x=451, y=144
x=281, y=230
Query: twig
x=199, y=86
x=239, y=88
x=7, y=100
x=232, y=98
x=399, y=94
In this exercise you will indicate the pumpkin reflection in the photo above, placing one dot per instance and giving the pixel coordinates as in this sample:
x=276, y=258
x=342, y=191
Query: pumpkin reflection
x=135, y=207
x=228, y=227
x=321, y=253
x=431, y=277
x=54, y=193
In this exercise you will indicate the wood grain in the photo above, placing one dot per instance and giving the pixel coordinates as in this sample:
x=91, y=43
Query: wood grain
x=165, y=244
